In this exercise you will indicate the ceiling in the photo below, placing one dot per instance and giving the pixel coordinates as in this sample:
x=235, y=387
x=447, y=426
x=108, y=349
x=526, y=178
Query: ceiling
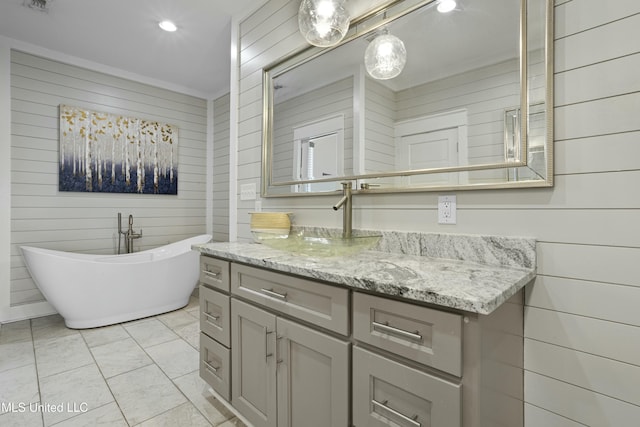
x=124, y=35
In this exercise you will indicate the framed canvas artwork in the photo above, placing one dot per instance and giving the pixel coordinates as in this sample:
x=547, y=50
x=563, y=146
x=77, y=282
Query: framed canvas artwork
x=107, y=153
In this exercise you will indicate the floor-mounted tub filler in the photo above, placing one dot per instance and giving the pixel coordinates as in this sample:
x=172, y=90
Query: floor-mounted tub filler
x=98, y=290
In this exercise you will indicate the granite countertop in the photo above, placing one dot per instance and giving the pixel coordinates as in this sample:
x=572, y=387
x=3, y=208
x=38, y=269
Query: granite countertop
x=465, y=272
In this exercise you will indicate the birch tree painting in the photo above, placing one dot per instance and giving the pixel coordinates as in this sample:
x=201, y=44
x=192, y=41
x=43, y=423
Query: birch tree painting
x=101, y=152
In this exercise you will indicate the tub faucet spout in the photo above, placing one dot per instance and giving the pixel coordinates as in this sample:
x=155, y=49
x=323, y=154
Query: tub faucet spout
x=129, y=235
x=345, y=203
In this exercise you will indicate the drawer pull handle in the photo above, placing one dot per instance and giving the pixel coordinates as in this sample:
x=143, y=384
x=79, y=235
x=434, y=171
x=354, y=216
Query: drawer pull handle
x=216, y=276
x=383, y=405
x=397, y=331
x=274, y=294
x=213, y=369
x=211, y=317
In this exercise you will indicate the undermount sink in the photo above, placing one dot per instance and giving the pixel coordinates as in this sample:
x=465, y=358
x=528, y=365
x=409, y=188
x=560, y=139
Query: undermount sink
x=321, y=245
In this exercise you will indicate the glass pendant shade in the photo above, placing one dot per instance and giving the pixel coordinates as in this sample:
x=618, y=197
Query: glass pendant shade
x=385, y=57
x=323, y=23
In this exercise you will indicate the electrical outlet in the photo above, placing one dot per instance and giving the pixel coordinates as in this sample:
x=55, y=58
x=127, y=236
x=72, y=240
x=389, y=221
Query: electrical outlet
x=258, y=206
x=446, y=209
x=248, y=191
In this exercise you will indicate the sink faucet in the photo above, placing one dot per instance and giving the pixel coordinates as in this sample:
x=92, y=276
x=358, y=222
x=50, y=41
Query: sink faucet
x=346, y=205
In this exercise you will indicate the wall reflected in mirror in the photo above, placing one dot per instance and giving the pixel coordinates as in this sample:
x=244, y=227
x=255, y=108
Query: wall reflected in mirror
x=456, y=106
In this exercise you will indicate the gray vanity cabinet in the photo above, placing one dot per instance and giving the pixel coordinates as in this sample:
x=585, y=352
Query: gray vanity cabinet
x=287, y=351
x=215, y=335
x=390, y=384
x=286, y=374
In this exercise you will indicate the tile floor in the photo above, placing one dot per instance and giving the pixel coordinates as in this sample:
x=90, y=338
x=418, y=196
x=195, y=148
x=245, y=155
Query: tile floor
x=139, y=373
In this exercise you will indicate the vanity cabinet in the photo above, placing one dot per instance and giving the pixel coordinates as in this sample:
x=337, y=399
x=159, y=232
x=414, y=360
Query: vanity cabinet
x=215, y=331
x=422, y=334
x=395, y=389
x=287, y=374
x=289, y=351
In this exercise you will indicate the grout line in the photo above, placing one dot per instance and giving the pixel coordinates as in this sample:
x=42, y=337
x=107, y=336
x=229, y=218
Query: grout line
x=35, y=365
x=153, y=362
x=104, y=378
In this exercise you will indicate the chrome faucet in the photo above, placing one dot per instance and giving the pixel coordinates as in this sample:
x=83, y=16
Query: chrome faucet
x=346, y=205
x=129, y=235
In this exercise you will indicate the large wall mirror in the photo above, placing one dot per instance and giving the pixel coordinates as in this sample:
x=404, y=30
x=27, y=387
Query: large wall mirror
x=472, y=107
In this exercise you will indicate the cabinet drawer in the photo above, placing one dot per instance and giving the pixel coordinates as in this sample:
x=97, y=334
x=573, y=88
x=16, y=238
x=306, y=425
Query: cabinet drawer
x=215, y=364
x=214, y=315
x=323, y=305
x=422, y=334
x=386, y=392
x=214, y=273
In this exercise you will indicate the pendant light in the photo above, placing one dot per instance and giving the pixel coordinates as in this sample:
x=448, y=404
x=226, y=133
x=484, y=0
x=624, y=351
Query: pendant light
x=385, y=56
x=323, y=23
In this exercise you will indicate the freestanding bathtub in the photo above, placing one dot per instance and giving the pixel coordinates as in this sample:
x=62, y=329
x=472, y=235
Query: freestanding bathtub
x=97, y=290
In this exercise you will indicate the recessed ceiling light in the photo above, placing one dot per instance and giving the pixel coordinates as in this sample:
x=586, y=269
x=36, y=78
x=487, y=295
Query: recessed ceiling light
x=168, y=26
x=445, y=6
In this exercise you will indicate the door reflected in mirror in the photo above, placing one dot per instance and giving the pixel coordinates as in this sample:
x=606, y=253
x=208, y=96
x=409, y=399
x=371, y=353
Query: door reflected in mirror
x=470, y=109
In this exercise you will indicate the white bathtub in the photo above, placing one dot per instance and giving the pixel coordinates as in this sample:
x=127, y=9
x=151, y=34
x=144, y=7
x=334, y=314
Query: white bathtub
x=97, y=290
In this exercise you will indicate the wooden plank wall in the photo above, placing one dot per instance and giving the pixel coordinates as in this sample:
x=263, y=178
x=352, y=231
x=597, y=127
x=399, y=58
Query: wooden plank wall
x=582, y=324
x=87, y=222
x=379, y=119
x=221, y=168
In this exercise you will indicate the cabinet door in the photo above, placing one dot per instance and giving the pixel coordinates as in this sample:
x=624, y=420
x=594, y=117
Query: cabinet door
x=389, y=393
x=313, y=377
x=253, y=383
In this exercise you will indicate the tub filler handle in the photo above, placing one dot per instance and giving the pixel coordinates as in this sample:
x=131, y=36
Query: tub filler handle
x=129, y=235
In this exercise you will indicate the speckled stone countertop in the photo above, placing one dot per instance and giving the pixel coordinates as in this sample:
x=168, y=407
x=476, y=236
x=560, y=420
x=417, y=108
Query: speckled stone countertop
x=465, y=272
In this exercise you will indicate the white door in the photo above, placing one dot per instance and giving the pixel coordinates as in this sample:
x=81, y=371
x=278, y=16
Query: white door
x=319, y=153
x=428, y=150
x=318, y=160
x=320, y=157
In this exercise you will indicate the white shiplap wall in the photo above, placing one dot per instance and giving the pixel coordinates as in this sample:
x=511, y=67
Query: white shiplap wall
x=484, y=93
x=87, y=222
x=379, y=119
x=221, y=117
x=582, y=325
